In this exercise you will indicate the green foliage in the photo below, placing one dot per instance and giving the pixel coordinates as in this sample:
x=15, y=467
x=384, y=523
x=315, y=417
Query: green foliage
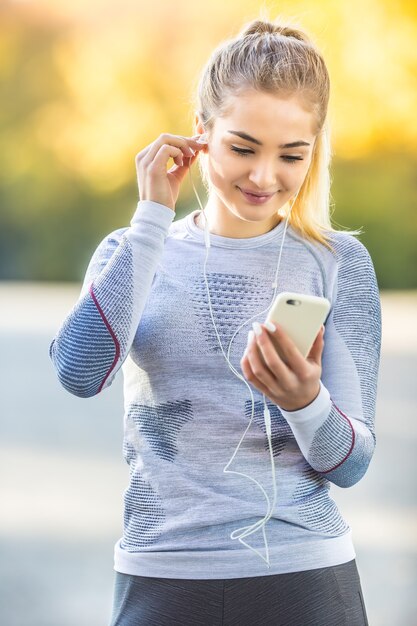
x=51, y=236
x=378, y=193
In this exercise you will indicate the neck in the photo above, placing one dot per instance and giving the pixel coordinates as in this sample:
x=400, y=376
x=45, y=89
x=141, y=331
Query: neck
x=234, y=229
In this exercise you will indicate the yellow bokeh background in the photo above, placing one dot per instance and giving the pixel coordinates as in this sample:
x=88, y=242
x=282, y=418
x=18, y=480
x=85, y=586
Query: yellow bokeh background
x=88, y=85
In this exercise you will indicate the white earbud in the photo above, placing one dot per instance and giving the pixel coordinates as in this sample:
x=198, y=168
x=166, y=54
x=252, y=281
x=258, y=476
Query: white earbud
x=202, y=138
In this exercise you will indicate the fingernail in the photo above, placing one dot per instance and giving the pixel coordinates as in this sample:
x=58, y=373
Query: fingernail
x=250, y=336
x=257, y=328
x=270, y=326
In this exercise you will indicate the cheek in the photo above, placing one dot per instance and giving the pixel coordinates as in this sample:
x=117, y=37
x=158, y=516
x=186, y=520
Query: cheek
x=222, y=169
x=295, y=175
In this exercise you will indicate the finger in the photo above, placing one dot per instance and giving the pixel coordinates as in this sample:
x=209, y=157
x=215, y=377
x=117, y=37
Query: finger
x=250, y=376
x=271, y=357
x=179, y=171
x=287, y=349
x=196, y=140
x=316, y=350
x=159, y=163
x=187, y=146
x=259, y=367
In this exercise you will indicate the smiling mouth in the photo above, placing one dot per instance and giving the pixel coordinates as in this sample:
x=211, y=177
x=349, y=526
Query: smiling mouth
x=256, y=194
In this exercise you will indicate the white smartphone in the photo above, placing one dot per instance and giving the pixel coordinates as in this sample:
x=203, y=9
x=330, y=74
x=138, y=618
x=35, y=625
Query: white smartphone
x=300, y=316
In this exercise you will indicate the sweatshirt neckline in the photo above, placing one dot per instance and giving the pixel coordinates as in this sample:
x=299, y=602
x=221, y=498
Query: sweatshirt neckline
x=232, y=242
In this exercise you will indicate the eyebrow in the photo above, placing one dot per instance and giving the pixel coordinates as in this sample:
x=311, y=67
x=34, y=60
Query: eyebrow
x=293, y=144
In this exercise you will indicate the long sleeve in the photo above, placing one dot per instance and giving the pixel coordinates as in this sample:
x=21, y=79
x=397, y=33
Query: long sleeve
x=96, y=336
x=336, y=432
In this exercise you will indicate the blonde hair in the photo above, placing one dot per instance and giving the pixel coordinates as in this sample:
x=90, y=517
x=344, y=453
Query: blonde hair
x=278, y=58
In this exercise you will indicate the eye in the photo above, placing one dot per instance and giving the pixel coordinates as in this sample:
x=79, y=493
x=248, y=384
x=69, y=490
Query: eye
x=242, y=152
x=291, y=159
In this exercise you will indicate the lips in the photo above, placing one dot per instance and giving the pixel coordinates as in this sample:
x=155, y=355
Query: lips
x=251, y=198
x=258, y=194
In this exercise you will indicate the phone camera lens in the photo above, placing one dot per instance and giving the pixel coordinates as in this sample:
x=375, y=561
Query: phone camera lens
x=294, y=302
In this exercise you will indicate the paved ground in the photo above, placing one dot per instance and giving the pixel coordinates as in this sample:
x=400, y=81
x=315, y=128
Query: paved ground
x=62, y=475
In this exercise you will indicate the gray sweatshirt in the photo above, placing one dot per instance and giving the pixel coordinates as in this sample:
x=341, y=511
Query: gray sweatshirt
x=143, y=308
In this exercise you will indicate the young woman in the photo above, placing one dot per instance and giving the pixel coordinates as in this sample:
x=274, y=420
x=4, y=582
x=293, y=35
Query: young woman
x=163, y=299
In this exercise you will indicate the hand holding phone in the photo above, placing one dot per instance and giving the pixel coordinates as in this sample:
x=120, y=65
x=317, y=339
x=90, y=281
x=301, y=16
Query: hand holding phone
x=291, y=379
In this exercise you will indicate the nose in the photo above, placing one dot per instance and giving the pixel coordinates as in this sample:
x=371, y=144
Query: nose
x=263, y=174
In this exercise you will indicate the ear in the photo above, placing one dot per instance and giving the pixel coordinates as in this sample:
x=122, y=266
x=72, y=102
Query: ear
x=200, y=130
x=198, y=124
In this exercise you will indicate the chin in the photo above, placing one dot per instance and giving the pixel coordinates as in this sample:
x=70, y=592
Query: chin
x=254, y=215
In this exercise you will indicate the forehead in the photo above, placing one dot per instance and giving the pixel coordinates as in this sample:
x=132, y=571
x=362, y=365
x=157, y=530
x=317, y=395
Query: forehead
x=261, y=114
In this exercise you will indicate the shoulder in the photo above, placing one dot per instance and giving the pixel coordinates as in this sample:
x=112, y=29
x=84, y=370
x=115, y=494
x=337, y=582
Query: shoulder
x=346, y=250
x=105, y=248
x=115, y=235
x=347, y=247
x=111, y=240
x=353, y=260
x=356, y=276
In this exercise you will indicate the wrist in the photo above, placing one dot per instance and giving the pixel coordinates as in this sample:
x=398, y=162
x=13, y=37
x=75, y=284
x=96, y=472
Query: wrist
x=304, y=402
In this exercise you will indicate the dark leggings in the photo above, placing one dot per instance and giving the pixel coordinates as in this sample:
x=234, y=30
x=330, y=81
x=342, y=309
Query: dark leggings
x=328, y=596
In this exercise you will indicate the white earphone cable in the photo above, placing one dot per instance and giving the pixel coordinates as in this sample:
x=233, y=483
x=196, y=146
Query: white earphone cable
x=247, y=530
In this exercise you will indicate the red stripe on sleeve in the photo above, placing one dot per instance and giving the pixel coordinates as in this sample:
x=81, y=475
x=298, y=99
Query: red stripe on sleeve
x=109, y=328
x=353, y=441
